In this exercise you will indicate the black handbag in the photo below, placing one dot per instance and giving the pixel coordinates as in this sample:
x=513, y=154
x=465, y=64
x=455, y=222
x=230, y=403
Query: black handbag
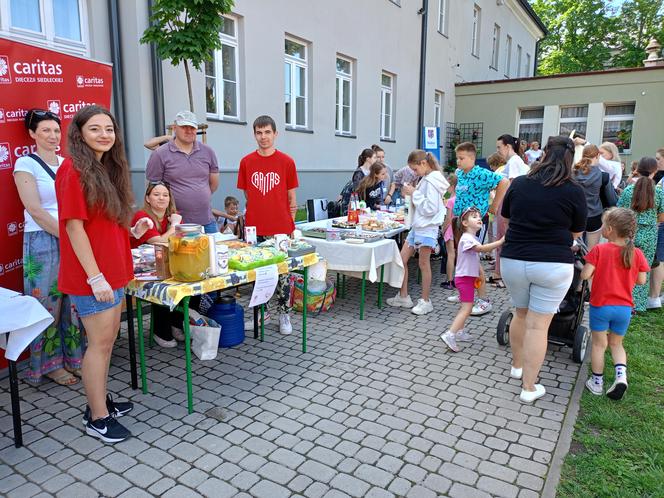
x=607, y=193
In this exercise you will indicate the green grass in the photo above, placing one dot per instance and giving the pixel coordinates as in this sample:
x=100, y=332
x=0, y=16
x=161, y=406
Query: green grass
x=301, y=214
x=618, y=446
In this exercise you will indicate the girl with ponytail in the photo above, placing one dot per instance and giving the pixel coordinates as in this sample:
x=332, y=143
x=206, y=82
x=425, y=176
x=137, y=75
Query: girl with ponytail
x=509, y=148
x=589, y=176
x=615, y=268
x=647, y=203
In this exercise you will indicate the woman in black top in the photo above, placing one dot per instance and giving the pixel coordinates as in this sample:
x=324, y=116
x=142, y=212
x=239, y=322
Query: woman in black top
x=545, y=210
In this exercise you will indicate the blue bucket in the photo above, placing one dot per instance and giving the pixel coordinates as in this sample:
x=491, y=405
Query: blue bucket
x=230, y=315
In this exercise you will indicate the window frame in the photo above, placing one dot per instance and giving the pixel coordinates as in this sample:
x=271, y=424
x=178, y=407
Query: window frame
x=340, y=77
x=234, y=42
x=531, y=121
x=576, y=119
x=495, y=47
x=296, y=62
x=384, y=91
x=475, y=31
x=619, y=117
x=438, y=98
x=47, y=36
x=443, y=6
x=508, y=55
x=527, y=65
x=519, y=57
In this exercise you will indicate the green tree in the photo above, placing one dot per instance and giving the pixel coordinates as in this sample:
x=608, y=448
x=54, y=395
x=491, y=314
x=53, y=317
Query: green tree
x=638, y=22
x=580, y=35
x=186, y=31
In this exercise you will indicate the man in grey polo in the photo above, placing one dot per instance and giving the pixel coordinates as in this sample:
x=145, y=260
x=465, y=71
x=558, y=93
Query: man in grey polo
x=191, y=170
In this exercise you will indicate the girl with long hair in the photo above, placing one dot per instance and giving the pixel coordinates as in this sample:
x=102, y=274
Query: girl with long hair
x=371, y=186
x=159, y=206
x=94, y=209
x=647, y=202
x=509, y=149
x=364, y=161
x=589, y=176
x=615, y=268
x=609, y=162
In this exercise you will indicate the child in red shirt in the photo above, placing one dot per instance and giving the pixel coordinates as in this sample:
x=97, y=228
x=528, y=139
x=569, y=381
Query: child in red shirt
x=615, y=268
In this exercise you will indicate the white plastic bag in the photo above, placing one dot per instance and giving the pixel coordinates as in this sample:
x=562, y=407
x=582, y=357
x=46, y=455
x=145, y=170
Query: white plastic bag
x=204, y=336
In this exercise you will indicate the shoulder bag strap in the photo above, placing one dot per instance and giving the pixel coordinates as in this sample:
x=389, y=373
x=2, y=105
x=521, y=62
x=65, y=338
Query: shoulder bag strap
x=41, y=162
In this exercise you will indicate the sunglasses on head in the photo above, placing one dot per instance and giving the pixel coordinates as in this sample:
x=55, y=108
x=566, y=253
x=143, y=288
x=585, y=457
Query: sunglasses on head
x=468, y=210
x=42, y=114
x=160, y=182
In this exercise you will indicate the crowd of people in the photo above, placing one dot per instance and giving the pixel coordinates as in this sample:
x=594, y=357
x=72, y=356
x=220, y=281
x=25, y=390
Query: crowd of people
x=80, y=225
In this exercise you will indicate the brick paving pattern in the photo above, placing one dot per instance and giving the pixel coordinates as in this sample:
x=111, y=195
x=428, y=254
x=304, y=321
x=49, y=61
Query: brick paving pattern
x=376, y=408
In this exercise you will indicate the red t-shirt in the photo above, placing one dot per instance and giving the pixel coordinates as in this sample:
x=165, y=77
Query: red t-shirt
x=155, y=231
x=266, y=182
x=108, y=239
x=612, y=282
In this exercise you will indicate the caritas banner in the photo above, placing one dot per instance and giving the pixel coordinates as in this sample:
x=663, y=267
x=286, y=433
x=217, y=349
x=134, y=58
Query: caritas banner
x=33, y=77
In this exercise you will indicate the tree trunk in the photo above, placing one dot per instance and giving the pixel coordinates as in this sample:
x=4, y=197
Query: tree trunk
x=191, y=96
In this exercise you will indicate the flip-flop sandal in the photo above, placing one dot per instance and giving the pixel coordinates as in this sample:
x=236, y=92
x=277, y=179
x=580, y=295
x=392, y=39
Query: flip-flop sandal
x=75, y=372
x=65, y=379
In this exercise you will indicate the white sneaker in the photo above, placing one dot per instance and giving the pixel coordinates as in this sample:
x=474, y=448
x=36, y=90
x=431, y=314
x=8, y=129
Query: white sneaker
x=530, y=396
x=249, y=324
x=596, y=389
x=516, y=373
x=400, y=302
x=422, y=307
x=178, y=334
x=617, y=389
x=450, y=339
x=654, y=303
x=481, y=307
x=463, y=336
x=454, y=298
x=164, y=343
x=285, y=326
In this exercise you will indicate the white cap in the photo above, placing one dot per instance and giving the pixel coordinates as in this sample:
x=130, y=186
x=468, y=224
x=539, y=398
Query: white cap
x=186, y=118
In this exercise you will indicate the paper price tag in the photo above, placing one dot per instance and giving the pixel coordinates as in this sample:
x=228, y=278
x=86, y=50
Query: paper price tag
x=265, y=284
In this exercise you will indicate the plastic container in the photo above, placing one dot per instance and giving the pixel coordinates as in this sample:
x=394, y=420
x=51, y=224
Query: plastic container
x=230, y=315
x=189, y=253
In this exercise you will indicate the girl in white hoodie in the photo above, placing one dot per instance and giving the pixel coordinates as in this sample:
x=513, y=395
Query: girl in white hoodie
x=429, y=213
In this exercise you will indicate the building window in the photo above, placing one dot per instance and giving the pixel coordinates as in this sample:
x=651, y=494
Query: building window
x=344, y=99
x=508, y=55
x=495, y=47
x=475, y=43
x=618, y=123
x=56, y=22
x=526, y=68
x=222, y=75
x=438, y=109
x=530, y=124
x=442, y=16
x=387, y=106
x=295, y=80
x=573, y=118
x=519, y=51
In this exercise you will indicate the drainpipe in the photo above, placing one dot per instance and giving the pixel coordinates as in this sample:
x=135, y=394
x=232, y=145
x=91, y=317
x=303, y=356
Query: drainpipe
x=423, y=62
x=116, y=59
x=157, y=86
x=537, y=49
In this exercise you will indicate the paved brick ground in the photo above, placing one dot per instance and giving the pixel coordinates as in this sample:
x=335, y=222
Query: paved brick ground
x=375, y=408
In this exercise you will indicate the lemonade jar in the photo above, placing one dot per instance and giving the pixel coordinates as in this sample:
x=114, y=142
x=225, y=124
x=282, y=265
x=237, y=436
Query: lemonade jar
x=189, y=253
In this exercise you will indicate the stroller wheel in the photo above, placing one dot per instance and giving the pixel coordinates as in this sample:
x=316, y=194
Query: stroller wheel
x=503, y=328
x=580, y=346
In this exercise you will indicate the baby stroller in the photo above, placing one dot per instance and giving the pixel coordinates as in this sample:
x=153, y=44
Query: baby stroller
x=565, y=328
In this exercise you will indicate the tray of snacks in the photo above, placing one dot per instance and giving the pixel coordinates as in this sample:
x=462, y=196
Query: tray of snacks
x=344, y=224
x=317, y=233
x=300, y=248
x=366, y=237
x=250, y=257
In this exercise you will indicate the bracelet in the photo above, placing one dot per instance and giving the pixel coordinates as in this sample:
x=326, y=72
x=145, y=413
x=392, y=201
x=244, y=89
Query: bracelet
x=97, y=278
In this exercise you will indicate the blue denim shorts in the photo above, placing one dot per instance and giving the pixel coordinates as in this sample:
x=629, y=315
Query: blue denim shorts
x=417, y=241
x=612, y=318
x=88, y=305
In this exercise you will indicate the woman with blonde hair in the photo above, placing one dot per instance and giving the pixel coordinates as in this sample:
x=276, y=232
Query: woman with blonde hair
x=609, y=162
x=589, y=176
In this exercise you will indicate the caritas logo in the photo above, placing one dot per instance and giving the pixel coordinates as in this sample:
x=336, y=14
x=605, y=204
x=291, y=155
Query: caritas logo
x=2, y=115
x=5, y=156
x=89, y=81
x=5, y=72
x=53, y=106
x=14, y=228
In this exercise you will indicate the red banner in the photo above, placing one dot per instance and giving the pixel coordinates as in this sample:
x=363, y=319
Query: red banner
x=34, y=77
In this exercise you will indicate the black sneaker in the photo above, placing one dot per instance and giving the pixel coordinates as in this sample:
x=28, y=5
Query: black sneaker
x=107, y=429
x=115, y=409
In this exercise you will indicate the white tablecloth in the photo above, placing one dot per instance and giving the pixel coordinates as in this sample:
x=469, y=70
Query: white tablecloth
x=24, y=317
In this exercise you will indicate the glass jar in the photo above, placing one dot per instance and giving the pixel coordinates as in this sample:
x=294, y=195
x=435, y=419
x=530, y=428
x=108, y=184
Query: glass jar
x=189, y=253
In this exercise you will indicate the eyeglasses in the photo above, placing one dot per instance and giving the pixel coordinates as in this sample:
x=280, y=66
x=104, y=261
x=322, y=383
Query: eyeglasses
x=42, y=114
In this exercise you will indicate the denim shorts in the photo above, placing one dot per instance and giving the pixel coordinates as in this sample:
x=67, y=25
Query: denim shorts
x=659, y=254
x=538, y=286
x=417, y=241
x=612, y=318
x=88, y=305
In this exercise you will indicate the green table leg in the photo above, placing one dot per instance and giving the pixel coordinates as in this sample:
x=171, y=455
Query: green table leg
x=364, y=286
x=380, y=287
x=187, y=354
x=141, y=346
x=343, y=286
x=305, y=293
x=262, y=322
x=151, y=341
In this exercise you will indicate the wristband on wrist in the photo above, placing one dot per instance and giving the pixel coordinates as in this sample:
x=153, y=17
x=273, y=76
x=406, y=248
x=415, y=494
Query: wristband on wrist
x=97, y=278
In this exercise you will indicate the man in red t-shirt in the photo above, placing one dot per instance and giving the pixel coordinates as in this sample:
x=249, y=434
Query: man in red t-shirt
x=269, y=180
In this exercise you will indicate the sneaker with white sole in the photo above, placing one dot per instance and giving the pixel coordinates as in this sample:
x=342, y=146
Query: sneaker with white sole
x=463, y=336
x=115, y=409
x=481, y=307
x=594, y=388
x=530, y=396
x=285, y=326
x=178, y=334
x=249, y=324
x=449, y=338
x=422, y=307
x=107, y=429
x=400, y=302
x=164, y=343
x=654, y=303
x=516, y=373
x=454, y=298
x=617, y=389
